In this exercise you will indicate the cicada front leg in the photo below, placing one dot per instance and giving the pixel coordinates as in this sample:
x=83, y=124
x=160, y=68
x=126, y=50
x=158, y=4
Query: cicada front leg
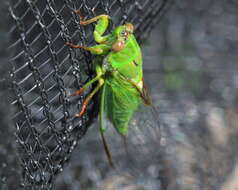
x=100, y=28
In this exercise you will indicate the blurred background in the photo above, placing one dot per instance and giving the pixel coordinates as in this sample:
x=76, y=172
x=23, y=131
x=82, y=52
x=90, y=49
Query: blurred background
x=190, y=67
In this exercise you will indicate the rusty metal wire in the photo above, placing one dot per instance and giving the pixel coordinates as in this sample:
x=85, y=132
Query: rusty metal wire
x=44, y=72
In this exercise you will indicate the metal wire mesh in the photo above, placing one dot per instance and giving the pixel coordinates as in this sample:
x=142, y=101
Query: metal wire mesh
x=44, y=71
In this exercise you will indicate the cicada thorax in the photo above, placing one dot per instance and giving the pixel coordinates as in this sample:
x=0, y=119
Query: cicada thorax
x=127, y=61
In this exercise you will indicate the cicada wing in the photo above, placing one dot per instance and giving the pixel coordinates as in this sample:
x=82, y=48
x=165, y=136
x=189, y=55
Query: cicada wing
x=138, y=151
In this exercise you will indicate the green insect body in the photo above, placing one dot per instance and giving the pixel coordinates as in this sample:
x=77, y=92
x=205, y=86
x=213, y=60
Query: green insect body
x=118, y=68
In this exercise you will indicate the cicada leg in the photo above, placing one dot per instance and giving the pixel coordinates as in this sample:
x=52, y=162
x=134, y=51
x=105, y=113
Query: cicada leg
x=78, y=92
x=100, y=80
x=89, y=97
x=96, y=50
x=100, y=27
x=102, y=17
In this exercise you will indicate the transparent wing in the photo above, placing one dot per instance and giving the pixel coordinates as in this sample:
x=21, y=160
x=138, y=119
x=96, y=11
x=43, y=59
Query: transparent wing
x=139, y=152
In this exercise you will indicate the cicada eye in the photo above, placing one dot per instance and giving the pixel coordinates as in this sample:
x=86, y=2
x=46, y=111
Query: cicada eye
x=123, y=33
x=118, y=46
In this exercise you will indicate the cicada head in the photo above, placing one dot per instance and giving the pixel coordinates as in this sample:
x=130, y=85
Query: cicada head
x=129, y=28
x=122, y=33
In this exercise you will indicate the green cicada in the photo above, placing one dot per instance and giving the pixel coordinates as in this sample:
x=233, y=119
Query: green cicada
x=118, y=73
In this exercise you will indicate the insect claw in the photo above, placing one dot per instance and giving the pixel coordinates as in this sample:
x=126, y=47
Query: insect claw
x=77, y=115
x=73, y=45
x=78, y=92
x=77, y=11
x=82, y=111
x=67, y=43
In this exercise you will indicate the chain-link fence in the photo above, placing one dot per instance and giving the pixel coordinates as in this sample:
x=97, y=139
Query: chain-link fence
x=44, y=72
